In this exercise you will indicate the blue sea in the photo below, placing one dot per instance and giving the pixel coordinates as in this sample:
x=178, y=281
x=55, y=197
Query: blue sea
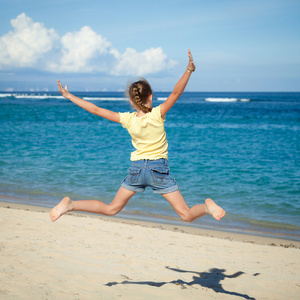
x=240, y=149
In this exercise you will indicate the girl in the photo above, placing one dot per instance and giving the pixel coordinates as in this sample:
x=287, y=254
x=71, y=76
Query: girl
x=149, y=160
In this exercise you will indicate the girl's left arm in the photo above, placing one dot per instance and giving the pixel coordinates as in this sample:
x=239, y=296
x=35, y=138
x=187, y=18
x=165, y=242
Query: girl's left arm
x=90, y=107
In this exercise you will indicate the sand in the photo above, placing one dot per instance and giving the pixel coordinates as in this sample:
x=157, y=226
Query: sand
x=87, y=257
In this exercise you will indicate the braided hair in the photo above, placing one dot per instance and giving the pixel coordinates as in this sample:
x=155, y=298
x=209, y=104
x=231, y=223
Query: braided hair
x=139, y=93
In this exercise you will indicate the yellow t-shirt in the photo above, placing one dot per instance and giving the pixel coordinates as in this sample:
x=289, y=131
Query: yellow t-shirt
x=147, y=133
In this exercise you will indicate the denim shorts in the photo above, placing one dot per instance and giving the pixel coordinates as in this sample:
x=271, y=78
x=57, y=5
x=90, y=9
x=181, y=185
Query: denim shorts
x=153, y=173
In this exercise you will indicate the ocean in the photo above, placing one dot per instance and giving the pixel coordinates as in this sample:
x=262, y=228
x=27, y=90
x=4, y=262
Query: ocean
x=240, y=149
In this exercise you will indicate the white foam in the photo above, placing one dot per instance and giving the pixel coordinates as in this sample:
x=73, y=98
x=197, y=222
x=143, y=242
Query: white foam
x=221, y=99
x=47, y=96
x=5, y=95
x=226, y=100
x=28, y=96
x=104, y=98
x=162, y=98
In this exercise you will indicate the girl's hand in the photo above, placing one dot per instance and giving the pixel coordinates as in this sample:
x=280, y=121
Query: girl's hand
x=191, y=66
x=63, y=90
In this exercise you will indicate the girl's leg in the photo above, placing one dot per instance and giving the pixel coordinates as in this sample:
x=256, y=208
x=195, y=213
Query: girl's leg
x=190, y=214
x=95, y=206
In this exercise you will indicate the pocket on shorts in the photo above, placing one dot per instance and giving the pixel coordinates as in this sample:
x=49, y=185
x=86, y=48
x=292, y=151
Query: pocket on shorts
x=160, y=174
x=134, y=173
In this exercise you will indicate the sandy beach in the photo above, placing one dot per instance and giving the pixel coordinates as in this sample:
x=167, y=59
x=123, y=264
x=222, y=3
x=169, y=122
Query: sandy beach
x=90, y=257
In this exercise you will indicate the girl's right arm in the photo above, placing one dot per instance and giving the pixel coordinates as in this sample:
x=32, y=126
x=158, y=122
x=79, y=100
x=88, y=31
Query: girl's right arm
x=90, y=107
x=179, y=87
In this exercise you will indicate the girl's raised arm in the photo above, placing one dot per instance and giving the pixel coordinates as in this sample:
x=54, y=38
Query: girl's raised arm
x=179, y=87
x=90, y=107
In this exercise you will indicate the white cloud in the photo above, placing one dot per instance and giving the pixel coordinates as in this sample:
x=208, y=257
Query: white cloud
x=24, y=46
x=132, y=62
x=79, y=49
x=30, y=44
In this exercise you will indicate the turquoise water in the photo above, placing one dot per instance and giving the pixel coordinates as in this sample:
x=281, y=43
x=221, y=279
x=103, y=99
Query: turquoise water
x=240, y=149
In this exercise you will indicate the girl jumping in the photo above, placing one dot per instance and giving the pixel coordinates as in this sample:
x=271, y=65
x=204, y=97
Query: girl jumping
x=150, y=158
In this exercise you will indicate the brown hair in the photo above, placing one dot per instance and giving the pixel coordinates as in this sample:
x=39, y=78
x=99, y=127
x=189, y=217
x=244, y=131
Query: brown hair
x=139, y=93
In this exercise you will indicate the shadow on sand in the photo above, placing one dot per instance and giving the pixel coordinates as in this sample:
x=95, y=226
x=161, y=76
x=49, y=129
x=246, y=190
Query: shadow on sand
x=210, y=279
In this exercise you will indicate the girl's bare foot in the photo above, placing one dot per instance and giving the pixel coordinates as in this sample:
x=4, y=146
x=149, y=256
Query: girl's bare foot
x=63, y=207
x=214, y=210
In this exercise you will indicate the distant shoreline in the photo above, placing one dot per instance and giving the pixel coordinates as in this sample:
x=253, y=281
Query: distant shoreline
x=119, y=91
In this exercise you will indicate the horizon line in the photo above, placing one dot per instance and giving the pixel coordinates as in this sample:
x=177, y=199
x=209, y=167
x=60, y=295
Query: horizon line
x=157, y=91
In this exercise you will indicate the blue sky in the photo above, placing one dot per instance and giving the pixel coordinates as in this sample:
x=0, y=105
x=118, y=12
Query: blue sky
x=100, y=45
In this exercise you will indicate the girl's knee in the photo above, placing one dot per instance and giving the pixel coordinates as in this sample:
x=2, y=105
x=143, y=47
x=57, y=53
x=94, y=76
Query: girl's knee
x=112, y=210
x=186, y=216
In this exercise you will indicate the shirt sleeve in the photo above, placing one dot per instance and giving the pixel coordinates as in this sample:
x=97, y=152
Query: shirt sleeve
x=124, y=119
x=157, y=114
